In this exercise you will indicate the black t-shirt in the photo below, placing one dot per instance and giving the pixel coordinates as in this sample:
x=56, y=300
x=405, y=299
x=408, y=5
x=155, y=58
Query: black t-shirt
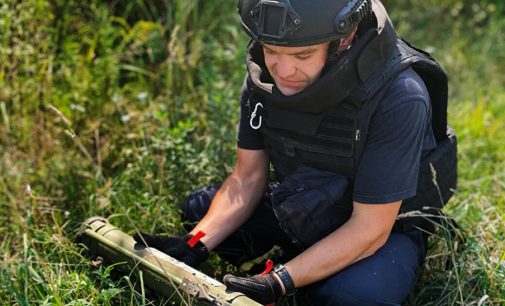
x=400, y=129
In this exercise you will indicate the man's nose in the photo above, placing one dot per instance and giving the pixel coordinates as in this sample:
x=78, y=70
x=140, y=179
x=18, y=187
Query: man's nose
x=285, y=67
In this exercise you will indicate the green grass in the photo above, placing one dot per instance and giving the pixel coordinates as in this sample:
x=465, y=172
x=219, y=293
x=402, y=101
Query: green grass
x=121, y=108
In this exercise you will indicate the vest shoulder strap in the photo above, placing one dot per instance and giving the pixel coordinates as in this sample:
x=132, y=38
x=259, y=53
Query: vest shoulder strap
x=368, y=95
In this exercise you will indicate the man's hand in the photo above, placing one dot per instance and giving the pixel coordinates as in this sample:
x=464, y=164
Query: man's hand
x=264, y=289
x=177, y=247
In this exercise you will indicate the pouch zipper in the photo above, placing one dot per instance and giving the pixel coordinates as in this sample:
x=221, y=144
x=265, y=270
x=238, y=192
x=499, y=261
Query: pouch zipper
x=289, y=192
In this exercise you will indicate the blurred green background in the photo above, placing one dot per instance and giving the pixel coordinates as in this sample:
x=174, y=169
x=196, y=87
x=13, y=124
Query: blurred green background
x=120, y=108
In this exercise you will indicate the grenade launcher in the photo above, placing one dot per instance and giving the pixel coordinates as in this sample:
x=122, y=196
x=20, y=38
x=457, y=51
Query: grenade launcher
x=165, y=275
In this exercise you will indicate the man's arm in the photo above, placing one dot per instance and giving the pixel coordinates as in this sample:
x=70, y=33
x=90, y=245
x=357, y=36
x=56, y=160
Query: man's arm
x=237, y=198
x=366, y=231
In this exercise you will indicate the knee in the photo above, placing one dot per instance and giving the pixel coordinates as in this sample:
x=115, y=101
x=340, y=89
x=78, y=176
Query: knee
x=197, y=204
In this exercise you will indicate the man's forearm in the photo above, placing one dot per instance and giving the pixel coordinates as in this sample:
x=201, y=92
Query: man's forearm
x=233, y=204
x=330, y=255
x=355, y=240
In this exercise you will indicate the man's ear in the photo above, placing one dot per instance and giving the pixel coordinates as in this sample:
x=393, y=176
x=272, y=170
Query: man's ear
x=346, y=43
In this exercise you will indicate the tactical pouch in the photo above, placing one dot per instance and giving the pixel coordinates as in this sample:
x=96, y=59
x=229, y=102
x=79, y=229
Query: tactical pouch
x=435, y=186
x=308, y=204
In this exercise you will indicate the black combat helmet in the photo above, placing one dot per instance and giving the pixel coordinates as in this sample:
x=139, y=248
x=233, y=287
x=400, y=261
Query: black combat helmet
x=301, y=22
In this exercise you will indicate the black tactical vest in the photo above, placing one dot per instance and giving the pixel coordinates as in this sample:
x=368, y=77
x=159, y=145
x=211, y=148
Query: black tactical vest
x=326, y=125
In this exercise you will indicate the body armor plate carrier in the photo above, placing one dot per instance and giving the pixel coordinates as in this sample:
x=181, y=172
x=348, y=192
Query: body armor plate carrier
x=330, y=134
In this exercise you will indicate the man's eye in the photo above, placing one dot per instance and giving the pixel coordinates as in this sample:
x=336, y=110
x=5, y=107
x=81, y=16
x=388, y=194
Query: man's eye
x=302, y=57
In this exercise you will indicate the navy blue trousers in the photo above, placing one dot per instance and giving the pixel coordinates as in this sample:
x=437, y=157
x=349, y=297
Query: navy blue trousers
x=385, y=278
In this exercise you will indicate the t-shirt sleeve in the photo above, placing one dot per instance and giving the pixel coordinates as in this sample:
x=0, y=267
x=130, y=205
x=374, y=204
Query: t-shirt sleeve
x=389, y=166
x=248, y=138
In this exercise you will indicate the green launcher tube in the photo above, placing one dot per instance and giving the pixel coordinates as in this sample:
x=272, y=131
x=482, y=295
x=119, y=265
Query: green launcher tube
x=160, y=272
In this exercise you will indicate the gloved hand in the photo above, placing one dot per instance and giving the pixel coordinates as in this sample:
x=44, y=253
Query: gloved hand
x=264, y=289
x=177, y=247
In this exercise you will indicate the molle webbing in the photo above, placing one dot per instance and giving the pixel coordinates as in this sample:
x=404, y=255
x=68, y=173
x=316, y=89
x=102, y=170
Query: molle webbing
x=324, y=141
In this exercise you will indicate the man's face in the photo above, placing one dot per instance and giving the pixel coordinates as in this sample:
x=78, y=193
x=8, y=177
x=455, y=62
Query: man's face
x=294, y=68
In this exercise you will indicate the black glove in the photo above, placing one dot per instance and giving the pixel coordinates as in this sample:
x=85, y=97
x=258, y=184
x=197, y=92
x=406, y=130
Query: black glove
x=177, y=247
x=264, y=289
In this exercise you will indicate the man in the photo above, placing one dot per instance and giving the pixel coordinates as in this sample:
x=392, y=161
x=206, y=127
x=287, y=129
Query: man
x=330, y=87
